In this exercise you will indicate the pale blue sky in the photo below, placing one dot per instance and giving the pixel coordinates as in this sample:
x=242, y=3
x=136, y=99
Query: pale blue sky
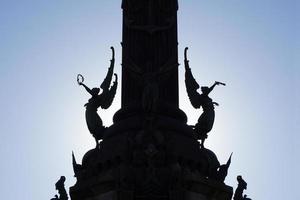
x=249, y=44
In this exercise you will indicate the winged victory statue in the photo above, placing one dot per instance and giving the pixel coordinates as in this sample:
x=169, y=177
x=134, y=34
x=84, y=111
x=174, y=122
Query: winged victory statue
x=206, y=119
x=103, y=100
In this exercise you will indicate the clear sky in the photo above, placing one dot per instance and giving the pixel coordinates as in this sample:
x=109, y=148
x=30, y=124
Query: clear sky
x=249, y=44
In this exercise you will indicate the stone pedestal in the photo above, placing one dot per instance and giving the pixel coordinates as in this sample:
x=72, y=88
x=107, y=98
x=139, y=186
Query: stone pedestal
x=140, y=163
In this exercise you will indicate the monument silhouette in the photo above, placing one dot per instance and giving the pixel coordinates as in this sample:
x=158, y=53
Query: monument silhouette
x=149, y=152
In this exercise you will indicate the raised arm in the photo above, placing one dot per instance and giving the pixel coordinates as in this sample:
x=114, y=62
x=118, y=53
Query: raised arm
x=86, y=88
x=213, y=86
x=80, y=80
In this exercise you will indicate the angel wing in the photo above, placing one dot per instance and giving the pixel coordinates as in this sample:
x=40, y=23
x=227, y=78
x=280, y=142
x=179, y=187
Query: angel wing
x=106, y=82
x=109, y=94
x=191, y=84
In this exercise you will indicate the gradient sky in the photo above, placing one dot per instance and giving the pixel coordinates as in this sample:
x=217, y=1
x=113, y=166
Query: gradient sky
x=249, y=44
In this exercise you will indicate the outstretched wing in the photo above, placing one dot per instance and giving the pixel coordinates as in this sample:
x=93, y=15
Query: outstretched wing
x=106, y=82
x=109, y=95
x=191, y=84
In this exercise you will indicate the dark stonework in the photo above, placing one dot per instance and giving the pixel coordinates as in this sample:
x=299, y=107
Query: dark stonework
x=150, y=58
x=150, y=153
x=149, y=49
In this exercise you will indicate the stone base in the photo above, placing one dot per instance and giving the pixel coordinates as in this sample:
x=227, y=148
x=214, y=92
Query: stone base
x=197, y=190
x=151, y=158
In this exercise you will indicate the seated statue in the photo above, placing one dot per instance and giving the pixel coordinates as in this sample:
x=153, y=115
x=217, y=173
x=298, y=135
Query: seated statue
x=206, y=120
x=103, y=100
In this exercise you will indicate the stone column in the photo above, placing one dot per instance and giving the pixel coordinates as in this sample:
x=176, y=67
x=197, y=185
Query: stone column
x=150, y=53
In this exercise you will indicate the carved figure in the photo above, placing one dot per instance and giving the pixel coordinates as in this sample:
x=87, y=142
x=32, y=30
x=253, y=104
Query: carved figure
x=242, y=185
x=150, y=93
x=149, y=81
x=103, y=100
x=60, y=187
x=206, y=120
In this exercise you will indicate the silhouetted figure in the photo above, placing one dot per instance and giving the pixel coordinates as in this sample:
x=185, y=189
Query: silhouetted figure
x=149, y=80
x=103, y=100
x=223, y=170
x=150, y=93
x=206, y=120
x=242, y=185
x=60, y=187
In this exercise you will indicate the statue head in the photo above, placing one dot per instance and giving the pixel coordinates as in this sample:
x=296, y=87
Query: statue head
x=241, y=182
x=60, y=183
x=63, y=178
x=95, y=91
x=205, y=90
